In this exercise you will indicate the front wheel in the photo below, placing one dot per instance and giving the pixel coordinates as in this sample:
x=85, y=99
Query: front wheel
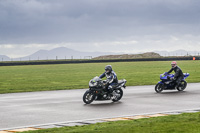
x=182, y=86
x=88, y=97
x=159, y=88
x=117, y=95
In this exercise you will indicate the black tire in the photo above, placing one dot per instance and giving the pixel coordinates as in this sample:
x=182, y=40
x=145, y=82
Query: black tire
x=119, y=92
x=88, y=97
x=159, y=87
x=182, y=86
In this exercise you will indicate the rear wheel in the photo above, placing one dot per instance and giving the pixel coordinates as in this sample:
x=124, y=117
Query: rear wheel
x=159, y=87
x=182, y=86
x=117, y=95
x=88, y=97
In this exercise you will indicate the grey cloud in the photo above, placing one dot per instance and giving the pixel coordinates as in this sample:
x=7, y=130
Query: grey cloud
x=50, y=21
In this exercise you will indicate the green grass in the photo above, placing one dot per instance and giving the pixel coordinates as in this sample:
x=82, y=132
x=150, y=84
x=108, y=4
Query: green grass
x=29, y=78
x=183, y=123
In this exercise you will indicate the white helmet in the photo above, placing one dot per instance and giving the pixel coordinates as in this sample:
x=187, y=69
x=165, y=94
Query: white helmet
x=174, y=64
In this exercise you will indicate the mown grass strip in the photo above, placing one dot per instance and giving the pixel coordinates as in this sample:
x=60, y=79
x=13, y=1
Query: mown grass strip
x=30, y=78
x=183, y=123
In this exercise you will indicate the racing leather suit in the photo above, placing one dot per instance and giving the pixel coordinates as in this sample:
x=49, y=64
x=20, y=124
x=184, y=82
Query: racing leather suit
x=178, y=76
x=111, y=79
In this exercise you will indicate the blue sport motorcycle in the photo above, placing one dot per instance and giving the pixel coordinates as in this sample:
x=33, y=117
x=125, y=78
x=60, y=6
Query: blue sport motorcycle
x=167, y=84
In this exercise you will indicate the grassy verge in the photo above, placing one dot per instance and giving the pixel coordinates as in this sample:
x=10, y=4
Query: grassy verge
x=76, y=76
x=183, y=123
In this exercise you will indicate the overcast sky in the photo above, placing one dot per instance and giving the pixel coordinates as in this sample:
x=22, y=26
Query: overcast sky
x=128, y=26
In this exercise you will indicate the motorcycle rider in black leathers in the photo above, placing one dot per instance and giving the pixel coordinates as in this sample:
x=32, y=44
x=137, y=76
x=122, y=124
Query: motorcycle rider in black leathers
x=111, y=78
x=178, y=76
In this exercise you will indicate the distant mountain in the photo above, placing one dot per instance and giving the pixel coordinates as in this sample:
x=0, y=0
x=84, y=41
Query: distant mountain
x=178, y=53
x=61, y=53
x=4, y=58
x=66, y=53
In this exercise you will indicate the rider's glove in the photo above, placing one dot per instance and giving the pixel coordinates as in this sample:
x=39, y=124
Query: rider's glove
x=172, y=79
x=106, y=83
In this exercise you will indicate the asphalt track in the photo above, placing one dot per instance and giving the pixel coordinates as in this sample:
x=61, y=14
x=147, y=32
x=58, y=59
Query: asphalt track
x=38, y=108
